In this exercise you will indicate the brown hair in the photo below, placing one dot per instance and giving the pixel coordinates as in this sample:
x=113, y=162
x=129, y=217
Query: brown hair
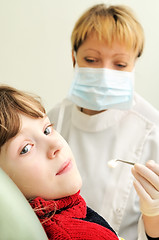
x=109, y=23
x=12, y=103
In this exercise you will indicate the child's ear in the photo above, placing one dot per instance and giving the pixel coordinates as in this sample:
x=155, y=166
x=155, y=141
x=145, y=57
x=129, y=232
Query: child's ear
x=73, y=58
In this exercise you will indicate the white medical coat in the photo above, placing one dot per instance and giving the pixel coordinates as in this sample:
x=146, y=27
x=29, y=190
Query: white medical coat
x=130, y=135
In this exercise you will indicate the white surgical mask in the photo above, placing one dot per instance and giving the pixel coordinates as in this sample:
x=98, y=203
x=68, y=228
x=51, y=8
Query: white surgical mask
x=101, y=88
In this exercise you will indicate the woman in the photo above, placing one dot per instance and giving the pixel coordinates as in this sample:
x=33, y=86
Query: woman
x=105, y=119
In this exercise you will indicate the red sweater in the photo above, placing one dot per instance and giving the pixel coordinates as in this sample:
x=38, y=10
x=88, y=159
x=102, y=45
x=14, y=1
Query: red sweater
x=66, y=219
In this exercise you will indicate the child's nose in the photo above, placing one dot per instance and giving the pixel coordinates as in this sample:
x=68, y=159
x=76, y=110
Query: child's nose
x=53, y=150
x=52, y=153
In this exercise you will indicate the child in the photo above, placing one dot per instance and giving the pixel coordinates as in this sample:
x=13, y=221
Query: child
x=41, y=164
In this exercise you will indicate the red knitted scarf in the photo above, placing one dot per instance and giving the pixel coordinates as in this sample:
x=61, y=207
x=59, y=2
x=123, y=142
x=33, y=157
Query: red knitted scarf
x=63, y=219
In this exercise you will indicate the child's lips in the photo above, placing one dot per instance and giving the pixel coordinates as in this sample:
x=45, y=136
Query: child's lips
x=66, y=166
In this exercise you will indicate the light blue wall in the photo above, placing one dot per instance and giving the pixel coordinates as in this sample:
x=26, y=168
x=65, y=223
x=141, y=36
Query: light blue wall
x=35, y=50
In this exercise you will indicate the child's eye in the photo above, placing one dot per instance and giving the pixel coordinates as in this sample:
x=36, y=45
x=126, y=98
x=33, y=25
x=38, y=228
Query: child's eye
x=26, y=149
x=48, y=130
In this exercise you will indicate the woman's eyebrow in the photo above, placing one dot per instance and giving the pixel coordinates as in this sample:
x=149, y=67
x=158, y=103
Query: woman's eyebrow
x=92, y=49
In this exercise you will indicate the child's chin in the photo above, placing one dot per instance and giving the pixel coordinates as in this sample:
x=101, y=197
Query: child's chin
x=76, y=187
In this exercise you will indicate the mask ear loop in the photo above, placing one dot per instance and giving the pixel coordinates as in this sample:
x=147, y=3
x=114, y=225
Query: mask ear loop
x=75, y=57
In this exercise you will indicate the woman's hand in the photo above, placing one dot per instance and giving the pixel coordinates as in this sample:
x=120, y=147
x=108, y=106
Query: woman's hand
x=146, y=183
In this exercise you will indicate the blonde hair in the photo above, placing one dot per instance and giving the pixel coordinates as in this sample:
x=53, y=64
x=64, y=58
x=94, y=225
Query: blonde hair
x=109, y=23
x=12, y=103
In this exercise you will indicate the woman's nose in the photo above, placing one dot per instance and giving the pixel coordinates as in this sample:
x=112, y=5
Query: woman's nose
x=53, y=150
x=106, y=64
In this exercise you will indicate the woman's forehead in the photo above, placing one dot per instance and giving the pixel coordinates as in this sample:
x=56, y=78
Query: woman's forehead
x=93, y=43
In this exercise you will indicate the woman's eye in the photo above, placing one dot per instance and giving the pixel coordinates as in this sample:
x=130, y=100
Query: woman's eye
x=91, y=60
x=120, y=65
x=26, y=149
x=48, y=130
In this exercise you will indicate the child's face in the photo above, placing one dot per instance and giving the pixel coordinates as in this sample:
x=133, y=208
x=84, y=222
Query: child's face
x=40, y=161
